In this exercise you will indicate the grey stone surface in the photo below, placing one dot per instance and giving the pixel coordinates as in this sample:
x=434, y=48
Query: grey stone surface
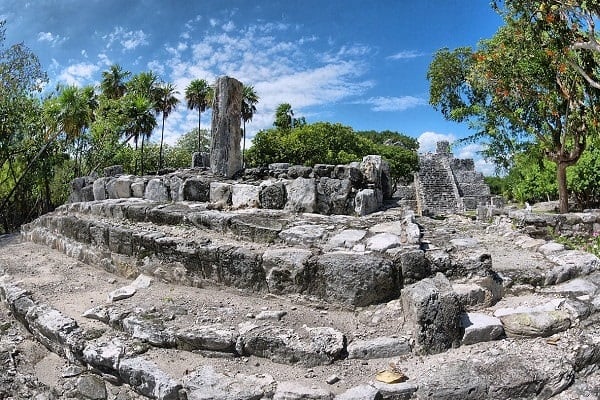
x=480, y=328
x=297, y=390
x=157, y=190
x=91, y=387
x=138, y=188
x=245, y=196
x=334, y=196
x=382, y=242
x=104, y=355
x=355, y=280
x=286, y=270
x=432, y=311
x=396, y=391
x=536, y=324
x=220, y=193
x=122, y=293
x=347, y=238
x=380, y=347
x=205, y=383
x=367, y=201
x=361, y=392
x=215, y=337
x=148, y=380
x=196, y=189
x=301, y=195
x=100, y=189
x=306, y=234
x=122, y=187
x=272, y=195
x=225, y=150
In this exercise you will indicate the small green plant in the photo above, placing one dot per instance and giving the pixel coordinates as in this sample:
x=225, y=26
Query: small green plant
x=591, y=243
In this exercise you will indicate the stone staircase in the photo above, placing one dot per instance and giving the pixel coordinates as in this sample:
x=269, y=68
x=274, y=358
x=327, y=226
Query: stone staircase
x=437, y=191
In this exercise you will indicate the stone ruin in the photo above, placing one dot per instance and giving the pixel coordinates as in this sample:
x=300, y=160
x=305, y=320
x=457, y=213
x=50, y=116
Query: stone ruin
x=187, y=287
x=444, y=185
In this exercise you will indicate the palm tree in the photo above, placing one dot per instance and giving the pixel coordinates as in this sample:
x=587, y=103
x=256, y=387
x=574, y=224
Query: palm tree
x=74, y=110
x=284, y=116
x=146, y=85
x=141, y=122
x=249, y=100
x=199, y=95
x=166, y=104
x=113, y=82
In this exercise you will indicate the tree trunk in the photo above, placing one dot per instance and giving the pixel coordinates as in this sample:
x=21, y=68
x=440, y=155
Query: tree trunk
x=563, y=193
x=142, y=156
x=244, y=145
x=162, y=136
x=199, y=134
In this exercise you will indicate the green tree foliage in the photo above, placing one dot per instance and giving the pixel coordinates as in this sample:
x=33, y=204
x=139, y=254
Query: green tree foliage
x=167, y=102
x=25, y=144
x=249, y=101
x=327, y=143
x=520, y=87
x=199, y=96
x=584, y=178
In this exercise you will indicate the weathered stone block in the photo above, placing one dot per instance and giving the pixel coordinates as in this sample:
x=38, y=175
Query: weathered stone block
x=272, y=195
x=148, y=380
x=299, y=171
x=176, y=188
x=220, y=193
x=302, y=195
x=113, y=170
x=245, y=196
x=138, y=188
x=432, y=311
x=157, y=190
x=355, y=280
x=225, y=151
x=100, y=189
x=196, y=189
x=480, y=328
x=334, y=196
x=367, y=201
x=286, y=270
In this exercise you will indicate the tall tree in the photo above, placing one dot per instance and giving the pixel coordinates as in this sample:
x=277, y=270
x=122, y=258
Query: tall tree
x=113, y=84
x=141, y=121
x=284, y=116
x=199, y=96
x=145, y=85
x=249, y=101
x=520, y=87
x=167, y=102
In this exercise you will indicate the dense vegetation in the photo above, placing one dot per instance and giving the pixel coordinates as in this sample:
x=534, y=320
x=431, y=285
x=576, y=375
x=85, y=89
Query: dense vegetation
x=294, y=141
x=534, y=87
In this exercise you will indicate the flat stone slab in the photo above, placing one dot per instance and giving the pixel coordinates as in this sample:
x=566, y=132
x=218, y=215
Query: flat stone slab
x=381, y=347
x=122, y=293
x=480, y=328
x=536, y=324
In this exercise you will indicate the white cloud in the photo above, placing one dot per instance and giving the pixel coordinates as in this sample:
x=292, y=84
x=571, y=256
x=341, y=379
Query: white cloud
x=52, y=39
x=406, y=54
x=78, y=74
x=395, y=103
x=213, y=22
x=129, y=40
x=427, y=140
x=229, y=26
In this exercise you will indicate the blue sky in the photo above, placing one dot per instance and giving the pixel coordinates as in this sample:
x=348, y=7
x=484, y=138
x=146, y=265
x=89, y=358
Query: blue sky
x=359, y=63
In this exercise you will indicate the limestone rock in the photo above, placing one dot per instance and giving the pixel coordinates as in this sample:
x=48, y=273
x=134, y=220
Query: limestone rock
x=100, y=189
x=220, y=193
x=272, y=195
x=367, y=201
x=347, y=238
x=303, y=234
x=286, y=270
x=432, y=311
x=355, y=280
x=208, y=337
x=296, y=390
x=207, y=384
x=301, y=195
x=382, y=242
x=245, y=196
x=380, y=347
x=138, y=188
x=104, y=355
x=399, y=391
x=480, y=328
x=196, y=189
x=148, y=380
x=362, y=392
x=225, y=151
x=536, y=324
x=413, y=264
x=122, y=293
x=122, y=187
x=334, y=196
x=157, y=190
x=91, y=387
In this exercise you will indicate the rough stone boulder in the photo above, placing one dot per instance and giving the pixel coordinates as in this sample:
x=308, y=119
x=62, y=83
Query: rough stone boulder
x=432, y=311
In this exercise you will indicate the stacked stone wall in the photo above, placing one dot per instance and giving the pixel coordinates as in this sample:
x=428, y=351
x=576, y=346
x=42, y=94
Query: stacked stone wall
x=356, y=188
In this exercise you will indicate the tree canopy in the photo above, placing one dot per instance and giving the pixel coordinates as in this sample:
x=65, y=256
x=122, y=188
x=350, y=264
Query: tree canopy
x=523, y=86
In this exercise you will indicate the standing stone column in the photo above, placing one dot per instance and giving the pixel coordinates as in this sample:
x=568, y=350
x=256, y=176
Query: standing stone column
x=225, y=152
